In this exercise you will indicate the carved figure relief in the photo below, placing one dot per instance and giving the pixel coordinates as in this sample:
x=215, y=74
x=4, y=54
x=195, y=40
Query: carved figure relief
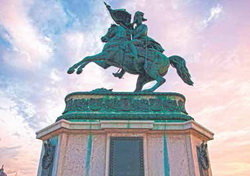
x=203, y=159
x=48, y=158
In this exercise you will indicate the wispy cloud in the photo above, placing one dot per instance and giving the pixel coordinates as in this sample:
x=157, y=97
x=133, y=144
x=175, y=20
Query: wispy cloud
x=215, y=12
x=30, y=48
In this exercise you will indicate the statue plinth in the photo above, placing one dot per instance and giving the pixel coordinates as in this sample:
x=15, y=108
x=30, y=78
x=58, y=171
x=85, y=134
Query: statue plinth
x=107, y=105
x=87, y=148
x=104, y=133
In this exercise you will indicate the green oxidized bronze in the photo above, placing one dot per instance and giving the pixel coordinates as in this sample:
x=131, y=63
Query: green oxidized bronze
x=104, y=104
x=129, y=48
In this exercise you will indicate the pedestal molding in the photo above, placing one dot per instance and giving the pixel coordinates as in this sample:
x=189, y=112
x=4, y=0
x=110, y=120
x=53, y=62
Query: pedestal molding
x=125, y=126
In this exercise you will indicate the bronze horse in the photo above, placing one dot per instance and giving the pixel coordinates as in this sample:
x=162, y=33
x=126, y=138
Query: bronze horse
x=150, y=65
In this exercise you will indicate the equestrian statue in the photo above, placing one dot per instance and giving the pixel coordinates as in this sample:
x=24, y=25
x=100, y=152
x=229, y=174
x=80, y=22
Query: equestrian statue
x=128, y=47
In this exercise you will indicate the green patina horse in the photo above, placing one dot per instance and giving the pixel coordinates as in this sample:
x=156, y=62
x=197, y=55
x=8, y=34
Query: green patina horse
x=150, y=64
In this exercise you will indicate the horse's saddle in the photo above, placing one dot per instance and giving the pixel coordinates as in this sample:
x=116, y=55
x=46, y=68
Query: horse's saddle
x=146, y=52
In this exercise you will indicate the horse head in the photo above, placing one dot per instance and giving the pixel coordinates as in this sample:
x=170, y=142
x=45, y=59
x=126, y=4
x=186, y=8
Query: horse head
x=110, y=34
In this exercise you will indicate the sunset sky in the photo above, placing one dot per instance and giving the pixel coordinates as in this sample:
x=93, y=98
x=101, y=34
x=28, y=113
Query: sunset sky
x=41, y=39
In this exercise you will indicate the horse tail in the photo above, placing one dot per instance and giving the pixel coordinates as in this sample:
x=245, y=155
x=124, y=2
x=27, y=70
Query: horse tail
x=180, y=65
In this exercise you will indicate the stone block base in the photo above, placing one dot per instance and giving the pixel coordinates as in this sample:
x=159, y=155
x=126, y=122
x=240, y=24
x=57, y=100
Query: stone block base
x=83, y=148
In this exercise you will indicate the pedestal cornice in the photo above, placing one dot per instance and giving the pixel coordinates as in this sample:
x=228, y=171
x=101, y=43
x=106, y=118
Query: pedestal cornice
x=124, y=126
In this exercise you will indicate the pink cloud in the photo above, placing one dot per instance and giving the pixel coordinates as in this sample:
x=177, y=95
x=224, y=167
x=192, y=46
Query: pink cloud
x=30, y=48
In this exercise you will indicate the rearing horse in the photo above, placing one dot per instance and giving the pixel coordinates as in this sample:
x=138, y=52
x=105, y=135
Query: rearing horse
x=150, y=65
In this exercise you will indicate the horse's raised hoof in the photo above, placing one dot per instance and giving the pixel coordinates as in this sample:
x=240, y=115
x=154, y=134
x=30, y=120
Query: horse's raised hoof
x=71, y=70
x=79, y=71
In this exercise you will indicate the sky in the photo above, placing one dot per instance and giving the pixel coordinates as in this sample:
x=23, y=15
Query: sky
x=41, y=39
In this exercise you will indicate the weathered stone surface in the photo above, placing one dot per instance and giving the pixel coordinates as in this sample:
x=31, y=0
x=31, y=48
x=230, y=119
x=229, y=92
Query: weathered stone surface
x=169, y=151
x=124, y=106
x=155, y=153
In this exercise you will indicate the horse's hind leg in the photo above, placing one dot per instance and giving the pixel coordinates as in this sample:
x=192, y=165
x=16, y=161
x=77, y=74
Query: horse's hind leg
x=160, y=80
x=155, y=75
x=141, y=81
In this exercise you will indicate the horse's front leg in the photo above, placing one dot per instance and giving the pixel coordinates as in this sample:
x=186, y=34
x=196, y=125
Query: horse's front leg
x=75, y=66
x=80, y=65
x=98, y=57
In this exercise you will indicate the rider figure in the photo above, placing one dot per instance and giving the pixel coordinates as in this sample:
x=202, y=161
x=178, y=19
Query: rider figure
x=140, y=36
x=140, y=39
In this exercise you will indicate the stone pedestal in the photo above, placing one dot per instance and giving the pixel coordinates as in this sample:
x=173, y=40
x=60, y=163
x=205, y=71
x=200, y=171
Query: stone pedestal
x=82, y=148
x=89, y=143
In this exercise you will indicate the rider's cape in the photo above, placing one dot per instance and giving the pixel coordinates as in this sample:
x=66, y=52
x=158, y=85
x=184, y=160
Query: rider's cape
x=154, y=44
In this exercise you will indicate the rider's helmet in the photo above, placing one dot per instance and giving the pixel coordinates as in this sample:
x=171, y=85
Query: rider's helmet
x=139, y=16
